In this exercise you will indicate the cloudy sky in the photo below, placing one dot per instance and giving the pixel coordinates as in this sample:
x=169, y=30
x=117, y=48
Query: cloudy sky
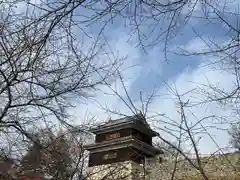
x=149, y=71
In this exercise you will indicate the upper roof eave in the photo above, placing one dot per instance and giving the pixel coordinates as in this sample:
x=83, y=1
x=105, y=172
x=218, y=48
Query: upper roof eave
x=109, y=128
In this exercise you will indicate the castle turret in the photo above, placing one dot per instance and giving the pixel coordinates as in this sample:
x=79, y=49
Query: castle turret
x=120, y=148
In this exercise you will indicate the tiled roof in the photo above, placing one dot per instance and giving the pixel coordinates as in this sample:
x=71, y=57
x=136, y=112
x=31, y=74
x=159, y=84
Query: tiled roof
x=126, y=119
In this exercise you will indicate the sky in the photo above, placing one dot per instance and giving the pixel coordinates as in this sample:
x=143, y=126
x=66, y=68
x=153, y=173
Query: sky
x=149, y=71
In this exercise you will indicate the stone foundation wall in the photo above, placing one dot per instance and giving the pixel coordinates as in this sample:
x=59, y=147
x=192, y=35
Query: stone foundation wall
x=116, y=171
x=215, y=167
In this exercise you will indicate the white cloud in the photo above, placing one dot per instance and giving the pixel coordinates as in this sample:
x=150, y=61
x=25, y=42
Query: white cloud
x=228, y=5
x=195, y=45
x=192, y=7
x=185, y=82
x=130, y=71
x=191, y=80
x=165, y=103
x=22, y=6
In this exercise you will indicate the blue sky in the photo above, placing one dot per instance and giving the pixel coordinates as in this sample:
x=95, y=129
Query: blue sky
x=144, y=71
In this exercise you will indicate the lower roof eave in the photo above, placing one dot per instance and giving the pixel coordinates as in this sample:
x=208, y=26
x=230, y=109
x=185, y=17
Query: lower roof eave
x=123, y=143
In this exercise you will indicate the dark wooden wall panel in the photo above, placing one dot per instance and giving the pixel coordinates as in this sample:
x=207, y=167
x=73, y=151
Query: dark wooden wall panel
x=124, y=154
x=142, y=137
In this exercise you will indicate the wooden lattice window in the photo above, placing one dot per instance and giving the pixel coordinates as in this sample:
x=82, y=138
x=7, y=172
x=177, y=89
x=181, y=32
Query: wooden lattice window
x=111, y=155
x=112, y=136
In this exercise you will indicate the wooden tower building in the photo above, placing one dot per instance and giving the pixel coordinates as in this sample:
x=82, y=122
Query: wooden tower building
x=120, y=149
